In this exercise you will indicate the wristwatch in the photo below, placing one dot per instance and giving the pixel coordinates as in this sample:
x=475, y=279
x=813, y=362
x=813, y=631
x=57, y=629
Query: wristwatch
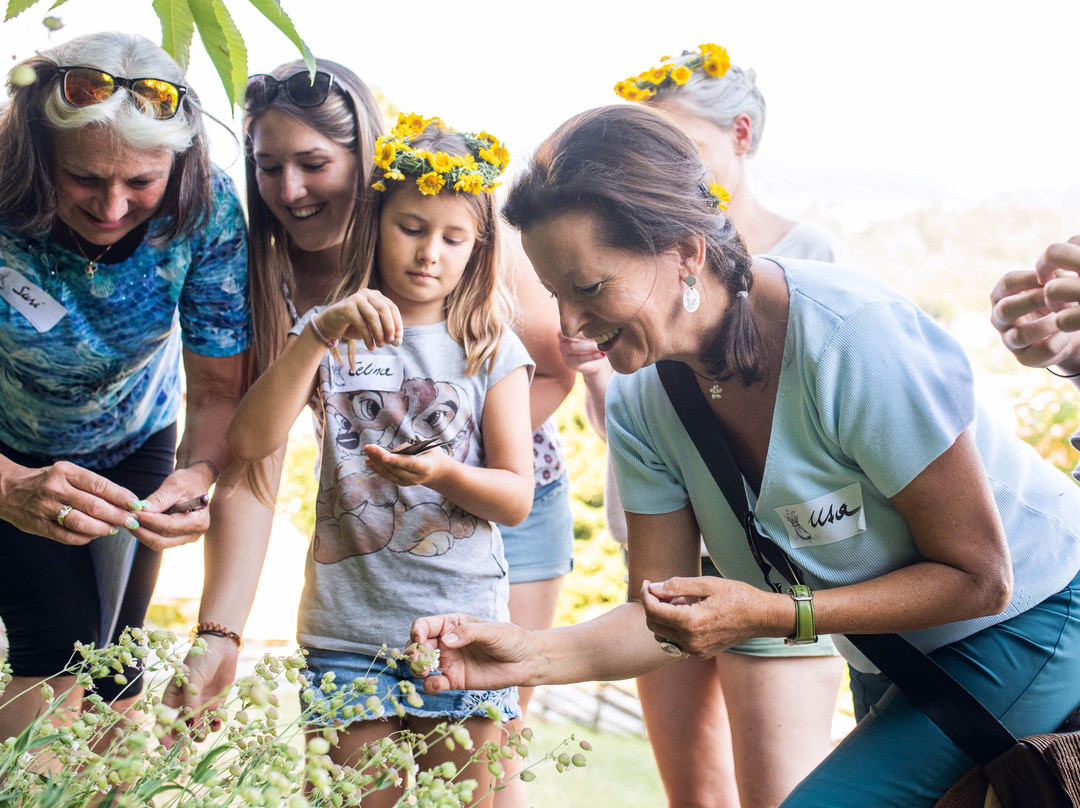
x=804, y=616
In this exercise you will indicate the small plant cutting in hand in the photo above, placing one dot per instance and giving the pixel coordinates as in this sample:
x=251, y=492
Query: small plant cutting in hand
x=100, y=757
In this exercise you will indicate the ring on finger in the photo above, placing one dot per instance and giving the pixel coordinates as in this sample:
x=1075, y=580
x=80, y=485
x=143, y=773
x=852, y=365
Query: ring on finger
x=671, y=648
x=64, y=511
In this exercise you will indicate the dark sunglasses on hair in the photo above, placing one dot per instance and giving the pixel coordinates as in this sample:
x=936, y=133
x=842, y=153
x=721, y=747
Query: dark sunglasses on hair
x=85, y=86
x=301, y=88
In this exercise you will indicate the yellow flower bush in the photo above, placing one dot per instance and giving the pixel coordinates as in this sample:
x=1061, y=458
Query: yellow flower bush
x=475, y=173
x=709, y=57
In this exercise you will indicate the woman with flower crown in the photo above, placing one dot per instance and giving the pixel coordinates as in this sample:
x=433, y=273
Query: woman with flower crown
x=755, y=744
x=122, y=254
x=425, y=442
x=857, y=465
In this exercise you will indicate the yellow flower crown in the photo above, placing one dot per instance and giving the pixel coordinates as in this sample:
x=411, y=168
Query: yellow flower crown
x=476, y=172
x=713, y=59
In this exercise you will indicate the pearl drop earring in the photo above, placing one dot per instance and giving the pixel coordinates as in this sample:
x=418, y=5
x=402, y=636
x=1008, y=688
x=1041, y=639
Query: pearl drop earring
x=691, y=299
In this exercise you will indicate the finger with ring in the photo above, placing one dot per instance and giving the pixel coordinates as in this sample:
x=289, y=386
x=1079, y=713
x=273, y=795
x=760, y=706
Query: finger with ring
x=671, y=649
x=60, y=517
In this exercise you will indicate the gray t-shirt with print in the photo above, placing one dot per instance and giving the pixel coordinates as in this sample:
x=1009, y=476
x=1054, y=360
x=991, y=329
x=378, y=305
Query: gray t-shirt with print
x=383, y=555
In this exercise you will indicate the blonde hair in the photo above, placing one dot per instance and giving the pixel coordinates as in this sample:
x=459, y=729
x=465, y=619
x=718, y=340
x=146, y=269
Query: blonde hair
x=480, y=308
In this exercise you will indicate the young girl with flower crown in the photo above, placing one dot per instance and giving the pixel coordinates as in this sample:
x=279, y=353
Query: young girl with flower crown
x=398, y=533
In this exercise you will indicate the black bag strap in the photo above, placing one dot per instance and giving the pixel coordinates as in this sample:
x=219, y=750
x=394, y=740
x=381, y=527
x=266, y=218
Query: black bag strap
x=945, y=701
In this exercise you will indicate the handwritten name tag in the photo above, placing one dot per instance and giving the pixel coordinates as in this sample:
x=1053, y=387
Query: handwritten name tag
x=829, y=518
x=30, y=300
x=371, y=372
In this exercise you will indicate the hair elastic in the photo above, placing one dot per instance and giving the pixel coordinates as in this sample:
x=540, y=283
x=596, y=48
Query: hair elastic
x=743, y=294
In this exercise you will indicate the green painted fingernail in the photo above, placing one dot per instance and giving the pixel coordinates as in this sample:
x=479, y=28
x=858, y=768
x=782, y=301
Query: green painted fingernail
x=113, y=530
x=136, y=505
x=132, y=523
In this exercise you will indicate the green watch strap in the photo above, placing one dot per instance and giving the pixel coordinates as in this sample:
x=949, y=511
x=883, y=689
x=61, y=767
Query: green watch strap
x=804, y=616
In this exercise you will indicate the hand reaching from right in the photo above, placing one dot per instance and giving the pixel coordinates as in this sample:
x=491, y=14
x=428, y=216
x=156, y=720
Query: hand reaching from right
x=1037, y=312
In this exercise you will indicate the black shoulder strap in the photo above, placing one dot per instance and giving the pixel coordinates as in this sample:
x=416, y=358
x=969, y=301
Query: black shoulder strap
x=933, y=690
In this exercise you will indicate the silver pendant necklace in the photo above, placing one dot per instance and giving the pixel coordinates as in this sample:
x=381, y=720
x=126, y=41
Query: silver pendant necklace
x=100, y=286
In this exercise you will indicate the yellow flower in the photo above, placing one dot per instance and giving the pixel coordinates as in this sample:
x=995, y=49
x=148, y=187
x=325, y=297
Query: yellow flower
x=430, y=183
x=717, y=62
x=709, y=48
x=721, y=195
x=470, y=183
x=409, y=125
x=440, y=161
x=379, y=186
x=494, y=141
x=657, y=75
x=385, y=152
x=394, y=174
x=622, y=88
x=680, y=74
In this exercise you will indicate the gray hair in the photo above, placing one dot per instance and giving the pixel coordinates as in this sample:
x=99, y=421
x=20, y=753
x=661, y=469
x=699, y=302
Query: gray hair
x=129, y=56
x=36, y=111
x=720, y=100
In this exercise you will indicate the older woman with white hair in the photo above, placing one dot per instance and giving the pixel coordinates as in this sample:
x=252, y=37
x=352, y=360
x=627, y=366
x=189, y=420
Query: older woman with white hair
x=123, y=252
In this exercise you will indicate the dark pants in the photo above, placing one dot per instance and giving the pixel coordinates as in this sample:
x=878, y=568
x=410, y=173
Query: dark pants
x=48, y=591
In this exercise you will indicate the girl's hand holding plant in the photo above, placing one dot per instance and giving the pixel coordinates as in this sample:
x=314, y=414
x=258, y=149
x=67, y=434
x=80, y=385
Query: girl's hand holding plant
x=368, y=316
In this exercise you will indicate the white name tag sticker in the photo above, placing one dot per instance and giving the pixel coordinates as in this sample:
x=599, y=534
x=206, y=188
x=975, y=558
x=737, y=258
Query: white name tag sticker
x=371, y=372
x=30, y=300
x=833, y=517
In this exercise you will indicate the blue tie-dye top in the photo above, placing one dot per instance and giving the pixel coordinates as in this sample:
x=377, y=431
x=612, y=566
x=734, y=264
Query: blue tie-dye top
x=97, y=384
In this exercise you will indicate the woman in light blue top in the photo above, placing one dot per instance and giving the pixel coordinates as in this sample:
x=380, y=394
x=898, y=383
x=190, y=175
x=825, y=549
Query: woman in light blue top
x=850, y=418
x=122, y=255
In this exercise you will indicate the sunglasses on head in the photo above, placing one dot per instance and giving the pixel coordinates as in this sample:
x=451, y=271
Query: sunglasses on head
x=85, y=86
x=303, y=89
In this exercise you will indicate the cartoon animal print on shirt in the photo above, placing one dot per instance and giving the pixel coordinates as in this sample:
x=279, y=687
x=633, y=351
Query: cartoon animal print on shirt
x=363, y=513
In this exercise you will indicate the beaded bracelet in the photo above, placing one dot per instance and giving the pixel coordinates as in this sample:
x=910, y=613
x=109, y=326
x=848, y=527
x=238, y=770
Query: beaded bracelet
x=329, y=343
x=216, y=630
x=1064, y=375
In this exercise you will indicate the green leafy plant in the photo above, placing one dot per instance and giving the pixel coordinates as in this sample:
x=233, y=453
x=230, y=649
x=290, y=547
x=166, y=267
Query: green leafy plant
x=97, y=756
x=217, y=30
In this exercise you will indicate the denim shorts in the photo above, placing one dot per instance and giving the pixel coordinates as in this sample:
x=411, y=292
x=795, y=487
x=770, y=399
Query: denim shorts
x=384, y=683
x=542, y=547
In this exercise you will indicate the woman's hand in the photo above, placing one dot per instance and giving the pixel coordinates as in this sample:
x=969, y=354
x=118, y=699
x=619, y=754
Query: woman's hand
x=90, y=505
x=475, y=654
x=159, y=530
x=368, y=316
x=707, y=615
x=212, y=674
x=1035, y=311
x=420, y=469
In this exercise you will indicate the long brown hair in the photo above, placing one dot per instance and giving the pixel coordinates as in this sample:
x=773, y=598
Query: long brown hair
x=641, y=179
x=350, y=116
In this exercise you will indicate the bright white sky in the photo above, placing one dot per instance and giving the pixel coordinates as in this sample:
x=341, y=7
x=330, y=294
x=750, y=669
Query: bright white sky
x=938, y=100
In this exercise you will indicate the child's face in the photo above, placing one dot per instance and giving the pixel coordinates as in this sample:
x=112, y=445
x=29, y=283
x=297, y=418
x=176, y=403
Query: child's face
x=425, y=243
x=306, y=179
